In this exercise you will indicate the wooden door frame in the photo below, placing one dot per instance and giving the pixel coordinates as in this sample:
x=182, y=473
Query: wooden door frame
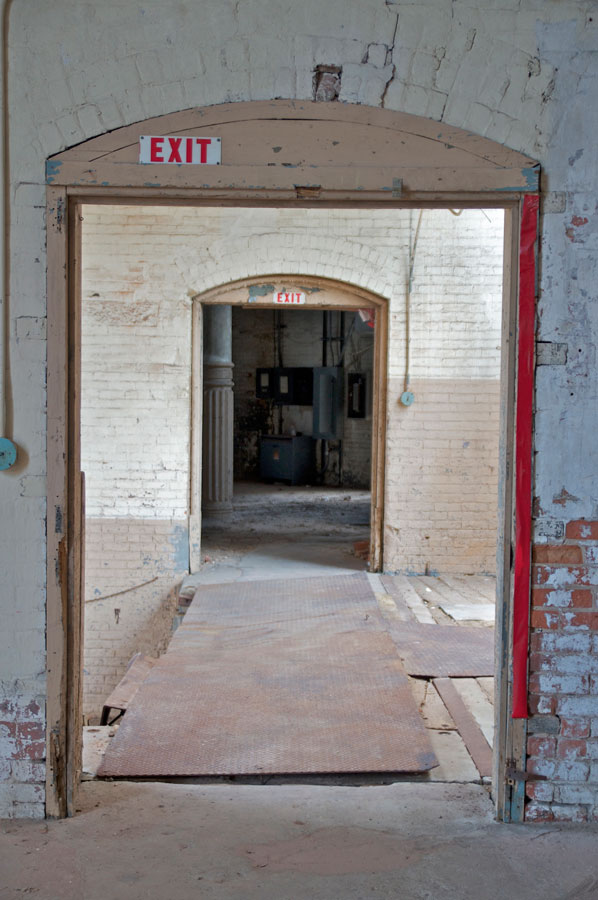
x=498, y=178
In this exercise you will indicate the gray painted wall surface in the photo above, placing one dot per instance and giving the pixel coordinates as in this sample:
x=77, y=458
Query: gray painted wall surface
x=521, y=72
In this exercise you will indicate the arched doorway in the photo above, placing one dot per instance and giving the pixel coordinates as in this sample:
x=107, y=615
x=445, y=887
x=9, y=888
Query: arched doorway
x=322, y=294
x=299, y=154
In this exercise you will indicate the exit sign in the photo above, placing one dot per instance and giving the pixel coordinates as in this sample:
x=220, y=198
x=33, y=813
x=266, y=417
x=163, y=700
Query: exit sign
x=289, y=298
x=180, y=150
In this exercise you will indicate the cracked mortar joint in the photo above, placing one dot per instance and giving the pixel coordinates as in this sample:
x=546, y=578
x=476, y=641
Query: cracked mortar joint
x=377, y=55
x=387, y=85
x=533, y=66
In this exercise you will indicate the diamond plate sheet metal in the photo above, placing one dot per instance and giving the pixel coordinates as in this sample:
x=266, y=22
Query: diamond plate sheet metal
x=436, y=651
x=275, y=677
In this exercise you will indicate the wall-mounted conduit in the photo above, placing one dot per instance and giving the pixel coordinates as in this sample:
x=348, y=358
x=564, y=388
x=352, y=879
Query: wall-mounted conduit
x=407, y=397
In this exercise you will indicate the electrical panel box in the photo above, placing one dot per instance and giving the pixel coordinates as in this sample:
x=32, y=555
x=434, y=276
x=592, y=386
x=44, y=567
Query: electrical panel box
x=328, y=393
x=356, y=395
x=286, y=386
x=263, y=383
x=294, y=387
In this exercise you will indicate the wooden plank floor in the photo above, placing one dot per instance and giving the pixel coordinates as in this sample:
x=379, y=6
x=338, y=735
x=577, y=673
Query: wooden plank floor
x=457, y=600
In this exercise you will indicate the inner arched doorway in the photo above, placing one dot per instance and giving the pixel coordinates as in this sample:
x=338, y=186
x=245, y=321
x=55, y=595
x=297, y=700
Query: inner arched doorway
x=322, y=295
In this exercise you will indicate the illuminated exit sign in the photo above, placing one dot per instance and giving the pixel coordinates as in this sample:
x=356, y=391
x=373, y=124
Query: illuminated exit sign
x=180, y=150
x=289, y=298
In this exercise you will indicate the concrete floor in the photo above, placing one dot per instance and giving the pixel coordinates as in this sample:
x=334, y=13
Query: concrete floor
x=426, y=841
x=238, y=842
x=277, y=531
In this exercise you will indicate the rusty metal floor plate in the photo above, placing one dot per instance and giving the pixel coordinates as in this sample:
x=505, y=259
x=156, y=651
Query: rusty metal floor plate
x=437, y=651
x=275, y=677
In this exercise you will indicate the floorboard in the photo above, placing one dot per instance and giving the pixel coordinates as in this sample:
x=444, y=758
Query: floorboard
x=473, y=737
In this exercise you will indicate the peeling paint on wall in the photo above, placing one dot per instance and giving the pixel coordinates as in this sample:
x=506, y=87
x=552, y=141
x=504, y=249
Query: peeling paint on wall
x=523, y=77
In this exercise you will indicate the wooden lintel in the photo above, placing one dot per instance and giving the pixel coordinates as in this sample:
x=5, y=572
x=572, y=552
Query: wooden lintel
x=285, y=145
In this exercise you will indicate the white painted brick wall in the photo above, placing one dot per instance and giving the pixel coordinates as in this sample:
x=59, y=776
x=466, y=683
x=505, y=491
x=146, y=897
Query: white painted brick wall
x=440, y=506
x=136, y=338
x=521, y=74
x=136, y=565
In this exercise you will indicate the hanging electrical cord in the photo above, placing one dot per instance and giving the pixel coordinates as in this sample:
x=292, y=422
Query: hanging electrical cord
x=407, y=396
x=457, y=212
x=346, y=342
x=8, y=450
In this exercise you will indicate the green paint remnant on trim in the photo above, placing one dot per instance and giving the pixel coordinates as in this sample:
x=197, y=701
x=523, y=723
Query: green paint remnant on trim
x=53, y=167
x=531, y=175
x=260, y=290
x=179, y=541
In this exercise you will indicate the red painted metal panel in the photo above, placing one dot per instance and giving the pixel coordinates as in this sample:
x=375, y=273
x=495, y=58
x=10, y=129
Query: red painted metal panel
x=523, y=452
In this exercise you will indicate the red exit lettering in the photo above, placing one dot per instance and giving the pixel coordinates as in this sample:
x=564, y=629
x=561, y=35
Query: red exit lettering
x=289, y=297
x=156, y=149
x=175, y=153
x=179, y=150
x=204, y=143
x=175, y=143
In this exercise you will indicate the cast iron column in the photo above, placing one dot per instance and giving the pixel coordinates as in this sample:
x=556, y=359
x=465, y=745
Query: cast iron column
x=217, y=464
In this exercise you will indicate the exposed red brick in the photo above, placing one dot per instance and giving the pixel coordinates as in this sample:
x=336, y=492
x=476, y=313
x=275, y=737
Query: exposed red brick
x=534, y=683
x=581, y=598
x=572, y=749
x=536, y=812
x=577, y=598
x=543, y=767
x=590, y=552
x=540, y=596
x=562, y=575
x=544, y=620
x=540, y=705
x=544, y=747
x=535, y=642
x=582, y=530
x=539, y=790
x=539, y=661
x=30, y=731
x=566, y=554
x=575, y=728
x=583, y=619
x=30, y=750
